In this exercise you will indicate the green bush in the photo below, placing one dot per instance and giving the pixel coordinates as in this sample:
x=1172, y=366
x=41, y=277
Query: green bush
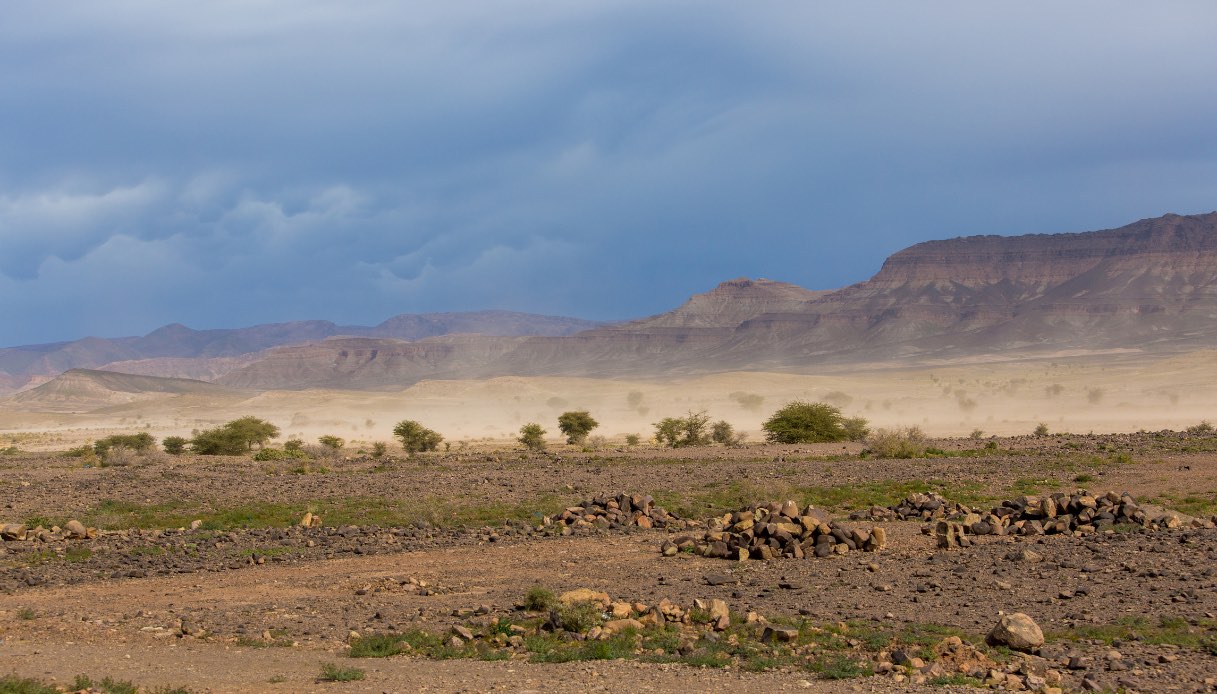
x=1202, y=428
x=416, y=438
x=632, y=439
x=576, y=425
x=532, y=436
x=897, y=443
x=174, y=445
x=379, y=449
x=234, y=438
x=539, y=599
x=1041, y=429
x=811, y=422
x=679, y=432
x=332, y=442
x=271, y=454
x=136, y=442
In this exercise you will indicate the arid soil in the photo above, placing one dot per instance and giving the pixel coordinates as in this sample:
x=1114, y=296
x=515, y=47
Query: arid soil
x=250, y=601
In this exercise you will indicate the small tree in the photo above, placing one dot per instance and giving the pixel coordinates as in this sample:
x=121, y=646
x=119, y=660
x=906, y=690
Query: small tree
x=632, y=439
x=174, y=445
x=1041, y=429
x=379, y=449
x=252, y=430
x=678, y=432
x=810, y=422
x=722, y=432
x=331, y=441
x=532, y=436
x=293, y=445
x=234, y=438
x=136, y=442
x=416, y=438
x=576, y=425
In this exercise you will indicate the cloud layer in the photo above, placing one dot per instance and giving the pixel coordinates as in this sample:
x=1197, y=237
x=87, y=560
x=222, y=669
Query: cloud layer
x=228, y=163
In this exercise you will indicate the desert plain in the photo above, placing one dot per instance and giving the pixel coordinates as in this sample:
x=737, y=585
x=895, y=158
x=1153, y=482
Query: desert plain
x=441, y=571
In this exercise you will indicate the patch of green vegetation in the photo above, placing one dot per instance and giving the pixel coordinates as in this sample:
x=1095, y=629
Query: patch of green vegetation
x=334, y=673
x=1202, y=504
x=553, y=649
x=26, y=613
x=1175, y=631
x=378, y=646
x=76, y=555
x=390, y=512
x=111, y=686
x=539, y=599
x=12, y=684
x=1084, y=478
x=1027, y=486
x=956, y=680
x=44, y=521
x=840, y=667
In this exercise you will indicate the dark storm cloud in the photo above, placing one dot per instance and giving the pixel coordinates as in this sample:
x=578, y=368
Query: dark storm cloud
x=229, y=163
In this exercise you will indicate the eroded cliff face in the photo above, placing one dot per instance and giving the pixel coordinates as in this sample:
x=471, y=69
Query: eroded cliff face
x=1151, y=285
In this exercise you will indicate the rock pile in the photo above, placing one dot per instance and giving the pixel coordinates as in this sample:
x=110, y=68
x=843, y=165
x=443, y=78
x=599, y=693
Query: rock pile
x=768, y=531
x=618, y=511
x=915, y=506
x=1079, y=513
x=72, y=530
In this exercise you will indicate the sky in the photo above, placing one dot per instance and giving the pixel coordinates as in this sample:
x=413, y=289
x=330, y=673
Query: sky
x=236, y=162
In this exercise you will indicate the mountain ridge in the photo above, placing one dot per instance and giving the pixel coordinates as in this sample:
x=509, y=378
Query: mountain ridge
x=1150, y=285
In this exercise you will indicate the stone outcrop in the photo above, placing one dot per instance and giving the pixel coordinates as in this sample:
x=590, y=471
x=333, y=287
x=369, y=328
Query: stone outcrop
x=769, y=531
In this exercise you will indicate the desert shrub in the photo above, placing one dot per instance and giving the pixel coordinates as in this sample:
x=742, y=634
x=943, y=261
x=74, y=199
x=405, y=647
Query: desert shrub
x=234, y=438
x=539, y=599
x=1202, y=428
x=632, y=439
x=84, y=452
x=174, y=445
x=578, y=617
x=532, y=436
x=293, y=445
x=120, y=456
x=379, y=449
x=416, y=438
x=134, y=442
x=576, y=425
x=331, y=441
x=897, y=443
x=271, y=454
x=976, y=435
x=810, y=422
x=722, y=432
x=678, y=432
x=856, y=428
x=1041, y=429
x=595, y=443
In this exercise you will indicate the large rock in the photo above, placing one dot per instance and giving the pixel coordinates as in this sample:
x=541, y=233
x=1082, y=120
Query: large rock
x=1017, y=632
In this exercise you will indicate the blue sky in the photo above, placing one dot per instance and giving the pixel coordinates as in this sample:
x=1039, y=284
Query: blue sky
x=228, y=163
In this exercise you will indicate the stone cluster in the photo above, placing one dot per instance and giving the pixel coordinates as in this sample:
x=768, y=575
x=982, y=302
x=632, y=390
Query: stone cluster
x=768, y=531
x=618, y=511
x=1079, y=513
x=916, y=506
x=72, y=530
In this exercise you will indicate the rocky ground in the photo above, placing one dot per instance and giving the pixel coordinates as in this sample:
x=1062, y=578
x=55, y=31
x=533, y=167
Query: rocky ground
x=248, y=600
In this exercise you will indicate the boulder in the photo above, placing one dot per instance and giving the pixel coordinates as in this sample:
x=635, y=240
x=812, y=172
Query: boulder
x=1017, y=632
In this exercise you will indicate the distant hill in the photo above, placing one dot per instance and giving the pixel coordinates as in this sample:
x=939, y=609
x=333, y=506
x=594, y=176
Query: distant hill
x=217, y=351
x=1148, y=286
x=1151, y=285
x=85, y=390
